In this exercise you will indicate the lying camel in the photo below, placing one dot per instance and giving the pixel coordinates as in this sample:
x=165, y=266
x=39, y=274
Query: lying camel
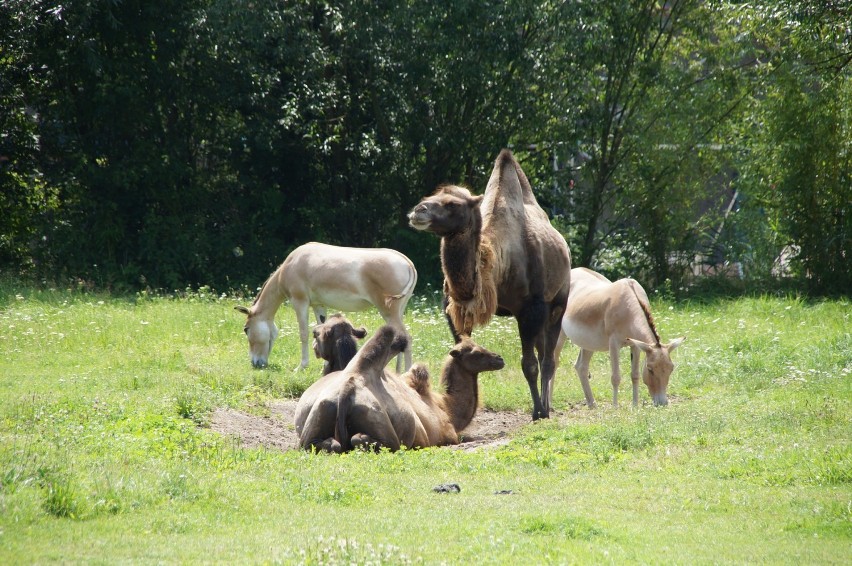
x=601, y=316
x=318, y=275
x=334, y=342
x=366, y=406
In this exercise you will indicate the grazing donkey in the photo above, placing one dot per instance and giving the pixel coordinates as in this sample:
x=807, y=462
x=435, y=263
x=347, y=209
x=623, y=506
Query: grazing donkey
x=318, y=275
x=601, y=316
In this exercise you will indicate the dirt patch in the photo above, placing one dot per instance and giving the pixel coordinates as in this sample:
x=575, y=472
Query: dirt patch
x=487, y=430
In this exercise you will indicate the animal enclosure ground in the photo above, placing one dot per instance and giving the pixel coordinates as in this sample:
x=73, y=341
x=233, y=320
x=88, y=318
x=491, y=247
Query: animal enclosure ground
x=488, y=429
x=102, y=459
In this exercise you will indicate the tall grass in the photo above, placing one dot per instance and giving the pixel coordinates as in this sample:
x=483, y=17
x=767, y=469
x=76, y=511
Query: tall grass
x=105, y=456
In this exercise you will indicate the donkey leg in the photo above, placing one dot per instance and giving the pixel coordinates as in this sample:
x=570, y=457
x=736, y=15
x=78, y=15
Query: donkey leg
x=319, y=312
x=616, y=370
x=582, y=367
x=634, y=373
x=301, y=307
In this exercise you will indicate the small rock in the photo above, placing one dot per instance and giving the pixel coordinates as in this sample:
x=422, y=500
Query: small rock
x=504, y=492
x=447, y=488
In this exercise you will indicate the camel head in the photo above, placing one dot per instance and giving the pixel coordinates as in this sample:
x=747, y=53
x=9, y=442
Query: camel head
x=474, y=358
x=261, y=334
x=658, y=367
x=450, y=210
x=335, y=342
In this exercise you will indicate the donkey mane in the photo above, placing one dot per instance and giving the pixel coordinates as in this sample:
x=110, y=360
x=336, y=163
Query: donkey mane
x=646, y=309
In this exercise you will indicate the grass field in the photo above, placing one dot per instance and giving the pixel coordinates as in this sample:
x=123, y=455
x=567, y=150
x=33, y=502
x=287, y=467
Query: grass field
x=105, y=456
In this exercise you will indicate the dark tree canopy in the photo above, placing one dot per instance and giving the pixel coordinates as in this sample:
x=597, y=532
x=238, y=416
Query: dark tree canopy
x=183, y=143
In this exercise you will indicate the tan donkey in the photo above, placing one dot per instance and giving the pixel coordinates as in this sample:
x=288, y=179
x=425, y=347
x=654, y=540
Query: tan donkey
x=605, y=316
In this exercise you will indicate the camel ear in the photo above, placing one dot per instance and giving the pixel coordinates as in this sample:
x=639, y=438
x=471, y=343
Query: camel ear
x=477, y=199
x=675, y=343
x=242, y=309
x=359, y=333
x=645, y=347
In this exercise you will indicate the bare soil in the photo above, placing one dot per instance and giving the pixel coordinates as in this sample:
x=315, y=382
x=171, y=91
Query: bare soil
x=487, y=430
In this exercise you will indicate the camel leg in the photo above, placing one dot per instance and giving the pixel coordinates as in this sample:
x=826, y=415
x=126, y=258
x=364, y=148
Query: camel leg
x=616, y=370
x=444, y=302
x=318, y=430
x=582, y=367
x=634, y=373
x=530, y=322
x=547, y=355
x=301, y=307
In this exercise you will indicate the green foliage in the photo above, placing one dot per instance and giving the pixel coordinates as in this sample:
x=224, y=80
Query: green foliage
x=160, y=145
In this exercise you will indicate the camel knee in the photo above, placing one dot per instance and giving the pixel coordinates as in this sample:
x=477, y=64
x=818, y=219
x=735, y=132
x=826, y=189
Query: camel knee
x=324, y=445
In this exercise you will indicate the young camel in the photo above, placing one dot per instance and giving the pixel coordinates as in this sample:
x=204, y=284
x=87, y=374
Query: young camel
x=365, y=406
x=601, y=316
x=335, y=342
x=499, y=254
x=318, y=275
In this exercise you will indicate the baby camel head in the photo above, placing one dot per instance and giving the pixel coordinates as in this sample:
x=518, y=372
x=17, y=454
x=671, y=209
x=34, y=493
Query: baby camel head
x=335, y=342
x=450, y=210
x=474, y=358
x=658, y=367
x=261, y=334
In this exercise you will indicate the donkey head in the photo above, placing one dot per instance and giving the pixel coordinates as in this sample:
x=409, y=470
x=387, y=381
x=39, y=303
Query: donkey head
x=261, y=334
x=658, y=367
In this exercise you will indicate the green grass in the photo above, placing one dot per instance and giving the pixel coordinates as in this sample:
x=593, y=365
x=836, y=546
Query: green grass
x=104, y=454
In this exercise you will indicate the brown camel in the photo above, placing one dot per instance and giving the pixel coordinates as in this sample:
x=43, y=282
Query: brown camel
x=366, y=406
x=500, y=255
x=335, y=342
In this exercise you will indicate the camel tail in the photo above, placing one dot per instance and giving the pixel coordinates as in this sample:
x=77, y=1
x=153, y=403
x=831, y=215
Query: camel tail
x=345, y=400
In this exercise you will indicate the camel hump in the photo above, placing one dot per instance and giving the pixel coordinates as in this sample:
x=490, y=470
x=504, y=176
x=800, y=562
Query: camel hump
x=387, y=342
x=509, y=179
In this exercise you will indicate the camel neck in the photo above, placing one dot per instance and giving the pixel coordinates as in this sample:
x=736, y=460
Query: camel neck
x=461, y=397
x=460, y=261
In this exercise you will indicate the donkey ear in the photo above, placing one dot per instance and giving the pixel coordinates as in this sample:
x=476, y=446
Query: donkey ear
x=675, y=343
x=645, y=347
x=359, y=333
x=242, y=309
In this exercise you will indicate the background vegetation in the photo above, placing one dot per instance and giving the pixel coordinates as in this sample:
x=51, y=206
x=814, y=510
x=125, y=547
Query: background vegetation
x=195, y=142
x=105, y=457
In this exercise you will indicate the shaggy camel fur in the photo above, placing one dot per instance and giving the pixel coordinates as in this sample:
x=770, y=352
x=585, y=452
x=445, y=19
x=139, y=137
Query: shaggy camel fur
x=500, y=255
x=335, y=342
x=365, y=406
x=318, y=275
x=601, y=316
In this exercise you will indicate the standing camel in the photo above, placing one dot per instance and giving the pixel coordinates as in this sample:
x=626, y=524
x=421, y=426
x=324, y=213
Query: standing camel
x=499, y=254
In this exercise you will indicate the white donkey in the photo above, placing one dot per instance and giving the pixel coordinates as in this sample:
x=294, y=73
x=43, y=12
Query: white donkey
x=319, y=276
x=602, y=316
